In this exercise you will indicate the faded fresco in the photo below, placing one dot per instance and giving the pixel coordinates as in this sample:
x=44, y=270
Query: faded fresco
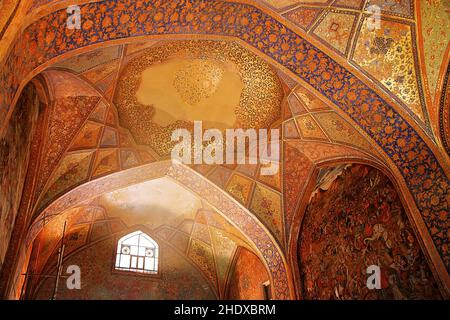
x=359, y=221
x=248, y=277
x=177, y=278
x=14, y=156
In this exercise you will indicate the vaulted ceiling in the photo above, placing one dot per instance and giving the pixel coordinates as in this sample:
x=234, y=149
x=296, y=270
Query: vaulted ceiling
x=175, y=216
x=406, y=57
x=96, y=120
x=114, y=105
x=106, y=121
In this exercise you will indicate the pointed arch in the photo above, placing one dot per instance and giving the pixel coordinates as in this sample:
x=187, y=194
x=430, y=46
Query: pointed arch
x=258, y=235
x=420, y=229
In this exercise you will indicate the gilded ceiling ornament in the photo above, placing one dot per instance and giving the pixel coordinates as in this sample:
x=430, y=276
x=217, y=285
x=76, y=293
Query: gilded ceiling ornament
x=198, y=80
x=218, y=82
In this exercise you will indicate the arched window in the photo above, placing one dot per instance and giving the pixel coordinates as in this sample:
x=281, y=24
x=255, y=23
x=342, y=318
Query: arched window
x=137, y=252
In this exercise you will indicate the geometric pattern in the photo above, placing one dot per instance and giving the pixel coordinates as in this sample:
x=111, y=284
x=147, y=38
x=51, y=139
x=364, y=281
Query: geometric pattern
x=333, y=34
x=290, y=130
x=309, y=129
x=85, y=225
x=100, y=134
x=67, y=117
x=341, y=131
x=303, y=17
x=72, y=171
x=266, y=205
x=202, y=256
x=297, y=168
x=93, y=143
x=224, y=249
x=299, y=57
x=402, y=144
x=340, y=26
x=433, y=28
x=210, y=244
x=203, y=189
x=336, y=29
x=255, y=105
x=260, y=194
x=92, y=223
x=240, y=188
x=306, y=99
x=84, y=62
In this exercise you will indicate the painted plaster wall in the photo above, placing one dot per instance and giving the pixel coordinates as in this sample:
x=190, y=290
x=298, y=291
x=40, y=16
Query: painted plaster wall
x=14, y=156
x=177, y=278
x=357, y=222
x=248, y=277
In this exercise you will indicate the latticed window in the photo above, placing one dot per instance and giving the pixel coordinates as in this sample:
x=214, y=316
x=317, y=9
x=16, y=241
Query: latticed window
x=137, y=252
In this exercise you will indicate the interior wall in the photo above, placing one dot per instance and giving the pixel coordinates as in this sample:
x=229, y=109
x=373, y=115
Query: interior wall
x=14, y=157
x=357, y=222
x=248, y=276
x=176, y=279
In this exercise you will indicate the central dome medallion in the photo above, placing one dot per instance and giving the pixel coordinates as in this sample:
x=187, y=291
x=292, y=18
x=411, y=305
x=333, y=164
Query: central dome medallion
x=173, y=84
x=198, y=80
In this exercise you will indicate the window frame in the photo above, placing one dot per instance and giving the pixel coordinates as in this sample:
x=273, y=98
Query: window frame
x=136, y=273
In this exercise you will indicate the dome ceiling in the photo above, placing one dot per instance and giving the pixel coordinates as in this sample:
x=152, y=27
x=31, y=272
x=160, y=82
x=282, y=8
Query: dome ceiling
x=170, y=85
x=153, y=203
x=312, y=131
x=419, y=28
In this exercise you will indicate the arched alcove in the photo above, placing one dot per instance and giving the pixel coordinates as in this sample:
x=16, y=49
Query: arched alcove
x=248, y=279
x=196, y=188
x=355, y=219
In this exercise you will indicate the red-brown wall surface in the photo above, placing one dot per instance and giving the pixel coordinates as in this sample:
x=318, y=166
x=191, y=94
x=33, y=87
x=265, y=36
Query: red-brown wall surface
x=14, y=157
x=249, y=275
x=176, y=279
x=360, y=221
